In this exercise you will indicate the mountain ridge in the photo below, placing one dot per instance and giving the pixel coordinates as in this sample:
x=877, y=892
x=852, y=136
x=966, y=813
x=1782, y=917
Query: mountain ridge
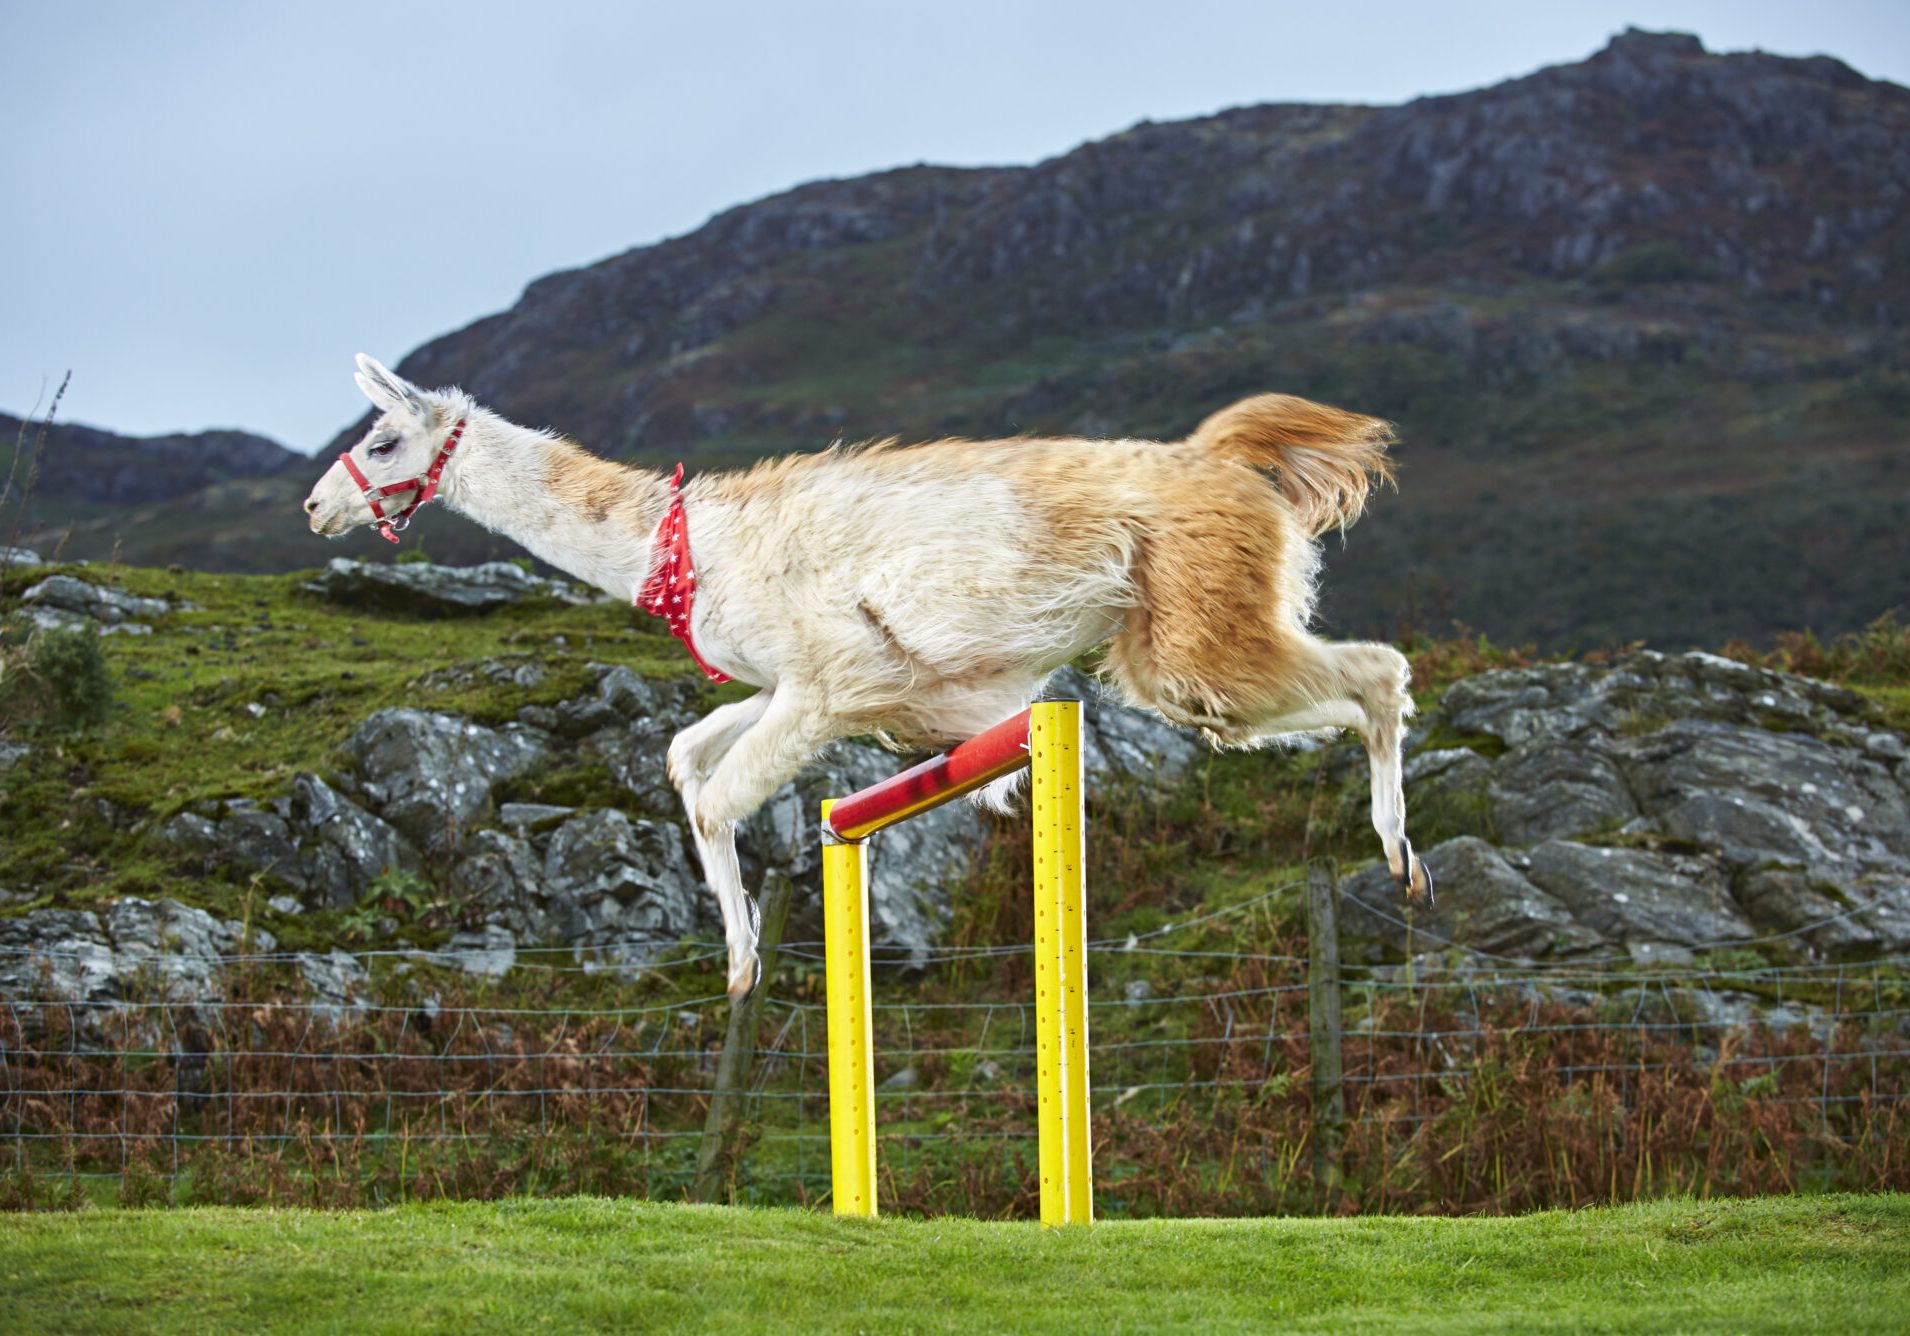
x=1638, y=317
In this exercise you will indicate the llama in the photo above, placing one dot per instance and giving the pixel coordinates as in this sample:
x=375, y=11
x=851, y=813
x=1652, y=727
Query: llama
x=922, y=593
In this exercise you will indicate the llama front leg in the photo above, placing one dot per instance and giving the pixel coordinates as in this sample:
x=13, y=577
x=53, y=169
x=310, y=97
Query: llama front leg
x=694, y=753
x=760, y=758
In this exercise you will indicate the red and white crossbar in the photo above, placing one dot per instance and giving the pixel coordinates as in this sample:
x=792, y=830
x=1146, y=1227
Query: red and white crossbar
x=984, y=758
x=1046, y=739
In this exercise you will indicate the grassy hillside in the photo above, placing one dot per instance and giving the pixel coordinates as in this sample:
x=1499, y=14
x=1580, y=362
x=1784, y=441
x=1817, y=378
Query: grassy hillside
x=250, y=682
x=1797, y=1264
x=253, y=680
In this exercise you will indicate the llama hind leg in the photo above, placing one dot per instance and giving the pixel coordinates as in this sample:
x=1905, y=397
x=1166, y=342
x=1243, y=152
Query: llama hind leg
x=1375, y=676
x=1363, y=690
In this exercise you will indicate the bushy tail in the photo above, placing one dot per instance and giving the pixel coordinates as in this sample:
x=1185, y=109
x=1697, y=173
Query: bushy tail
x=1328, y=459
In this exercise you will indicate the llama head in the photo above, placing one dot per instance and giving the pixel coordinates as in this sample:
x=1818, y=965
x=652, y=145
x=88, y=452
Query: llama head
x=401, y=444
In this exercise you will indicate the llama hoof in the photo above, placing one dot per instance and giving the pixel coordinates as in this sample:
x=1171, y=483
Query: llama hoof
x=1419, y=886
x=743, y=982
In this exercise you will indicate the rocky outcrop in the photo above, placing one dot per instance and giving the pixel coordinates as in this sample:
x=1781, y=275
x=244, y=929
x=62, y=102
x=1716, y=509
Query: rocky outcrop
x=67, y=603
x=1654, y=806
x=316, y=841
x=615, y=884
x=1638, y=810
x=431, y=775
x=425, y=590
x=149, y=950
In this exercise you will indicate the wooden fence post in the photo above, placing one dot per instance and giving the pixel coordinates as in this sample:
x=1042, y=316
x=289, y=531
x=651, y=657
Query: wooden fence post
x=738, y=1059
x=1323, y=1027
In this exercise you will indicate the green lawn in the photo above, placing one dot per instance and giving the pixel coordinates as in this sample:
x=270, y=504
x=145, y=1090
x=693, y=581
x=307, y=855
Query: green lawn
x=1805, y=1264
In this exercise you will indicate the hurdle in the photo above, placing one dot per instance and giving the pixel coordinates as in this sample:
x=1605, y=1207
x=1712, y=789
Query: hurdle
x=1047, y=739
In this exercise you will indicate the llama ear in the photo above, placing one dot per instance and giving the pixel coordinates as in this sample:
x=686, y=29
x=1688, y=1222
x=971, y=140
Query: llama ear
x=390, y=391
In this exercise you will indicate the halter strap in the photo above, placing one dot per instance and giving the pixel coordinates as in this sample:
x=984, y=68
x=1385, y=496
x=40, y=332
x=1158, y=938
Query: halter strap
x=425, y=485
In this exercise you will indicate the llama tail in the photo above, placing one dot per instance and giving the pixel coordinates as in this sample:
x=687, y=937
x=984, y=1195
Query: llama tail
x=1328, y=459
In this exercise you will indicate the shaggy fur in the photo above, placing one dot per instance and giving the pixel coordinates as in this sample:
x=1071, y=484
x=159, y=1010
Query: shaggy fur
x=925, y=592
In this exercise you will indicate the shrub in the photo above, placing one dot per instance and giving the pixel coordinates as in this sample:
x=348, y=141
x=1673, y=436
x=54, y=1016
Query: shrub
x=54, y=678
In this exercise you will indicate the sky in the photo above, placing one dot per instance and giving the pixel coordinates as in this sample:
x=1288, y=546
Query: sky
x=214, y=205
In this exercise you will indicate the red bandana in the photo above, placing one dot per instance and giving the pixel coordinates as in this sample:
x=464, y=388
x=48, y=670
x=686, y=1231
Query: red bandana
x=671, y=588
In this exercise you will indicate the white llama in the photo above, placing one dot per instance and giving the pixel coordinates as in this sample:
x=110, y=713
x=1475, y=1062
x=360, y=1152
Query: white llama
x=923, y=593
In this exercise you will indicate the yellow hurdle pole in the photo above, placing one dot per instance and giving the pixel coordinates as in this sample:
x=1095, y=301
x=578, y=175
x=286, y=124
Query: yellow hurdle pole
x=845, y=919
x=1061, y=961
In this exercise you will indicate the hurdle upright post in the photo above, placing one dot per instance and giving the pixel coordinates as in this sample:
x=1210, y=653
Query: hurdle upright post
x=1061, y=955
x=1047, y=739
x=845, y=914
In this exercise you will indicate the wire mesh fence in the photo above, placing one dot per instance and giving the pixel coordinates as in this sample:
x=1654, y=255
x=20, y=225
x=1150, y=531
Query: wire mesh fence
x=1472, y=1083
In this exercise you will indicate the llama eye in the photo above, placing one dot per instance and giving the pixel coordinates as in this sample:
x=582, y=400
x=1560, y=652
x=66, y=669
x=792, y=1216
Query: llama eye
x=383, y=448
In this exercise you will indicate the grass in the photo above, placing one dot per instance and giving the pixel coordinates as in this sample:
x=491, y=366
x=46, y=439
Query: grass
x=1781, y=1264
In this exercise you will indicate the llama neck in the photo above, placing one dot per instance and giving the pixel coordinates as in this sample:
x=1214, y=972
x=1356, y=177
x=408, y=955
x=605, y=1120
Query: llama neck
x=587, y=516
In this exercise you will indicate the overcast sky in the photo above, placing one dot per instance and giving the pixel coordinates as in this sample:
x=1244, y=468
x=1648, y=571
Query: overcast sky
x=213, y=205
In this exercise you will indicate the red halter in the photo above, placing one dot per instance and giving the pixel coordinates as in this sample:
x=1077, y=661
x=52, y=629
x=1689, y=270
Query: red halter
x=671, y=588
x=426, y=485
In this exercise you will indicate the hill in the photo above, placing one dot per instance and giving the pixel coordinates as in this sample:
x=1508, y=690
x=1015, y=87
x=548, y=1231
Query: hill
x=1639, y=318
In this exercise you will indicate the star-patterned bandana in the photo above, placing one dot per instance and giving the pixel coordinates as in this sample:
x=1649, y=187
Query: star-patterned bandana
x=671, y=588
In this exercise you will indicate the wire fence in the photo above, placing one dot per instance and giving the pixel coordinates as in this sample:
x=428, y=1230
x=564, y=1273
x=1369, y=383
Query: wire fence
x=1473, y=1082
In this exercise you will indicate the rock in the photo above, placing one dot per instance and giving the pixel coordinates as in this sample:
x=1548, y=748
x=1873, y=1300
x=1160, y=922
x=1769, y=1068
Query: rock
x=903, y=1078
x=108, y=607
x=1850, y=922
x=18, y=556
x=522, y=816
x=285, y=904
x=1483, y=903
x=56, y=955
x=430, y=775
x=488, y=953
x=420, y=588
x=1628, y=895
x=630, y=695
x=346, y=847
x=57, y=619
x=12, y=753
x=1772, y=786
x=1755, y=795
x=1886, y=747
x=337, y=983
x=141, y=950
x=1446, y=793
x=261, y=840
x=1638, y=691
x=1137, y=745
x=317, y=841
x=192, y=832
x=622, y=889
x=502, y=877
x=1544, y=789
